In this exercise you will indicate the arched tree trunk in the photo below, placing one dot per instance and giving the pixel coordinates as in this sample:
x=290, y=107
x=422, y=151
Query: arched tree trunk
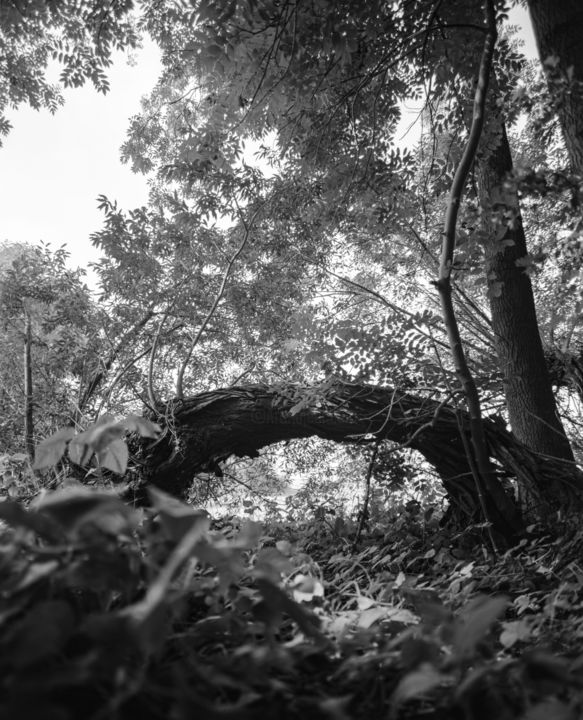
x=558, y=28
x=206, y=429
x=531, y=405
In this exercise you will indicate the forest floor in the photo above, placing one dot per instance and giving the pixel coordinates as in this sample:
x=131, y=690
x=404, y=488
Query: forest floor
x=107, y=612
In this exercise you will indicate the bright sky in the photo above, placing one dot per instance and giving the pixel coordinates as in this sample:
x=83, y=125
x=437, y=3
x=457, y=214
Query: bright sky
x=408, y=130
x=53, y=167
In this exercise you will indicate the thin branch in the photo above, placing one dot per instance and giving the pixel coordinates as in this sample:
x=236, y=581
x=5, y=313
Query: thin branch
x=150, y=380
x=99, y=376
x=118, y=376
x=366, y=502
x=242, y=375
x=218, y=298
x=486, y=482
x=383, y=300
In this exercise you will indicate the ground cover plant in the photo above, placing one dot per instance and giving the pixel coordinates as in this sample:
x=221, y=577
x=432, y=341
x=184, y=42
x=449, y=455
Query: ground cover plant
x=116, y=612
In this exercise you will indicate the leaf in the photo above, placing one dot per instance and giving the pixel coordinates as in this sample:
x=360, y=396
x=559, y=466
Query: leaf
x=364, y=603
x=114, y=457
x=399, y=580
x=551, y=709
x=284, y=547
x=40, y=634
x=271, y=563
x=515, y=631
x=369, y=617
x=19, y=457
x=475, y=622
x=248, y=535
x=18, y=517
x=176, y=517
x=73, y=507
x=341, y=622
x=402, y=615
x=36, y=572
x=336, y=708
x=99, y=435
x=51, y=450
x=79, y=453
x=276, y=602
x=467, y=570
x=416, y=683
x=142, y=426
x=306, y=588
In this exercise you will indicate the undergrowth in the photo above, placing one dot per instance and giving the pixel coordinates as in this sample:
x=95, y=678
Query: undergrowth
x=110, y=612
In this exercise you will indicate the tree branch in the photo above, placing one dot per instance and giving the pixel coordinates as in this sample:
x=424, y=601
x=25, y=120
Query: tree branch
x=218, y=298
x=483, y=475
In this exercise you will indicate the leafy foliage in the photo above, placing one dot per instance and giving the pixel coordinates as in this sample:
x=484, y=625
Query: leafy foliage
x=80, y=36
x=112, y=611
x=36, y=281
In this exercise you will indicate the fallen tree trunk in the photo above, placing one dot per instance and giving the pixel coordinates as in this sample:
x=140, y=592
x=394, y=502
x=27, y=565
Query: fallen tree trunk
x=204, y=430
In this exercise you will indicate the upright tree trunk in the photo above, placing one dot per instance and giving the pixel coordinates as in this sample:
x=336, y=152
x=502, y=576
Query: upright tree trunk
x=558, y=28
x=531, y=404
x=28, y=392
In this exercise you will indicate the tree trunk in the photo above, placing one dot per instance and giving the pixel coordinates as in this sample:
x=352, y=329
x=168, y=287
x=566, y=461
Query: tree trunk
x=206, y=429
x=28, y=392
x=530, y=401
x=558, y=28
x=477, y=453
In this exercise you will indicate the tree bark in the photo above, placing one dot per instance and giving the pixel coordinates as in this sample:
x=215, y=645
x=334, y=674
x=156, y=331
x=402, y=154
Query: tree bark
x=532, y=409
x=206, y=429
x=28, y=391
x=558, y=28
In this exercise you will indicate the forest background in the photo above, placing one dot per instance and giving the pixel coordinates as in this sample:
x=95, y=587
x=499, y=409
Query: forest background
x=418, y=310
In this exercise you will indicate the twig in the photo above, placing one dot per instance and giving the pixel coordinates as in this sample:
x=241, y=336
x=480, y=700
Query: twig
x=150, y=381
x=364, y=510
x=217, y=300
